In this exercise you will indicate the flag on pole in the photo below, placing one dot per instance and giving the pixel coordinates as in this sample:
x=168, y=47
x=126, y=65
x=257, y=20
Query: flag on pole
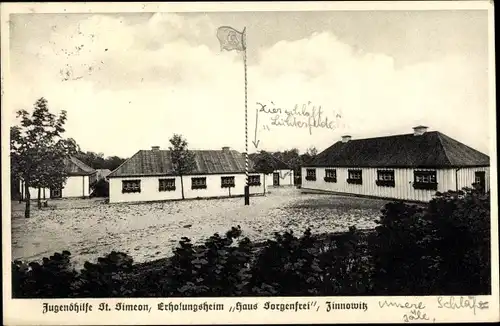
x=231, y=39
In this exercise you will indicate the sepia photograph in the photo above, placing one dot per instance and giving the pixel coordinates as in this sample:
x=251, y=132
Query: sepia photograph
x=223, y=153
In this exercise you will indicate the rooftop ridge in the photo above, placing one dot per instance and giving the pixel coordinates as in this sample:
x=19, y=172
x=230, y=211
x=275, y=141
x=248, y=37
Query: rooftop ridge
x=444, y=148
x=81, y=168
x=404, y=150
x=127, y=160
x=159, y=162
x=192, y=150
x=81, y=164
x=373, y=138
x=389, y=136
x=465, y=145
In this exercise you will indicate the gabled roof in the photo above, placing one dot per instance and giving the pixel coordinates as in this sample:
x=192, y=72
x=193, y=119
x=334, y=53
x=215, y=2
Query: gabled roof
x=75, y=167
x=432, y=149
x=159, y=162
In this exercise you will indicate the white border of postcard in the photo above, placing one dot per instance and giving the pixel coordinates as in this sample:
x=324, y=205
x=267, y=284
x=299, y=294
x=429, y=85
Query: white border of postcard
x=30, y=312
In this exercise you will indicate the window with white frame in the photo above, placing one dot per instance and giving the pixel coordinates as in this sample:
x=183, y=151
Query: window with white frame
x=227, y=182
x=385, y=178
x=311, y=174
x=330, y=175
x=354, y=176
x=199, y=183
x=425, y=179
x=166, y=184
x=131, y=186
x=480, y=181
x=254, y=180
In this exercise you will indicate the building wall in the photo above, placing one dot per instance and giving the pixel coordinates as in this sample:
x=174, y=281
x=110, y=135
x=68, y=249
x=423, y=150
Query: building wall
x=150, y=185
x=466, y=176
x=403, y=183
x=75, y=186
x=286, y=178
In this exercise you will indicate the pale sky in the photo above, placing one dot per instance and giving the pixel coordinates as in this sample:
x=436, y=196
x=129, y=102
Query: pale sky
x=135, y=79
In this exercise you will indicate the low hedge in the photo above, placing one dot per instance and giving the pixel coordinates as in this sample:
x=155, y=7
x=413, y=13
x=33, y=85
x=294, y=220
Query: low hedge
x=439, y=249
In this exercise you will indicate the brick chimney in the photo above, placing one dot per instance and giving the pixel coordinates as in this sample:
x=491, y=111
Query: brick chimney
x=155, y=148
x=419, y=130
x=225, y=148
x=346, y=138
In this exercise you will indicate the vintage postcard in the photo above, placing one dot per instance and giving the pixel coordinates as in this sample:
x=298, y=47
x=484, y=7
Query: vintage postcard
x=262, y=163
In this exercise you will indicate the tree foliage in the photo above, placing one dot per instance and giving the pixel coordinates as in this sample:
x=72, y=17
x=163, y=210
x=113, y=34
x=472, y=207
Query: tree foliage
x=38, y=149
x=308, y=157
x=312, y=151
x=99, y=161
x=263, y=162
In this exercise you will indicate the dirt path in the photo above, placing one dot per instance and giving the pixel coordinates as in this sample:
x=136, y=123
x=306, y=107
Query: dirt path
x=91, y=229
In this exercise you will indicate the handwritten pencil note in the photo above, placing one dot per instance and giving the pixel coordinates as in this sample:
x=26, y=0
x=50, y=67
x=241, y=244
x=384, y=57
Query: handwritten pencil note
x=305, y=116
x=410, y=311
x=467, y=303
x=418, y=311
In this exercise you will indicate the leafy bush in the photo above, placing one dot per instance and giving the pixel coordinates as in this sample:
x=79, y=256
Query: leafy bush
x=215, y=269
x=286, y=266
x=461, y=222
x=219, y=267
x=346, y=265
x=441, y=248
x=104, y=279
x=311, y=265
x=50, y=279
x=398, y=248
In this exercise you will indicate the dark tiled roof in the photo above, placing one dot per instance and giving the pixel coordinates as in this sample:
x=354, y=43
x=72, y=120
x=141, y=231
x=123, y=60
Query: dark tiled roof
x=432, y=149
x=74, y=166
x=159, y=162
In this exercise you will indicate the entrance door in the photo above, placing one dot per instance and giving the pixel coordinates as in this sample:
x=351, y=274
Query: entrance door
x=480, y=180
x=55, y=193
x=276, y=179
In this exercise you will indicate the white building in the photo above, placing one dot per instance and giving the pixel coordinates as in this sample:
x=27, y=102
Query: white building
x=282, y=175
x=280, y=178
x=80, y=177
x=148, y=176
x=408, y=167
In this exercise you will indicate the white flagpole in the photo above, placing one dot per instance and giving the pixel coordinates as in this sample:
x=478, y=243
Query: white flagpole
x=247, y=189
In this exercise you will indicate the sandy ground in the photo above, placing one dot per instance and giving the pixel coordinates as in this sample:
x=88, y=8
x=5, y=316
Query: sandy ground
x=91, y=228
